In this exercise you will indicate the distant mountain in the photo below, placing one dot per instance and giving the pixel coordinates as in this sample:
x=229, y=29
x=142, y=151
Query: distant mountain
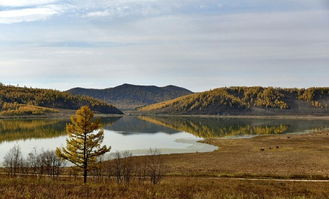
x=23, y=100
x=129, y=96
x=247, y=101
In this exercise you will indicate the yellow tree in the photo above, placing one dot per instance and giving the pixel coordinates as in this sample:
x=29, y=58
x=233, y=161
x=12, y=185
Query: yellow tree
x=84, y=143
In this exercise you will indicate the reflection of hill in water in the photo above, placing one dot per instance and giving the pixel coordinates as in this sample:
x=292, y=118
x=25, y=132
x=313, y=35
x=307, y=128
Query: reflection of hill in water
x=107, y=122
x=133, y=125
x=25, y=129
x=11, y=130
x=219, y=127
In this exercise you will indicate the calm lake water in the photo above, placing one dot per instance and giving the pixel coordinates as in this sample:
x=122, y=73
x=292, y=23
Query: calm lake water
x=139, y=134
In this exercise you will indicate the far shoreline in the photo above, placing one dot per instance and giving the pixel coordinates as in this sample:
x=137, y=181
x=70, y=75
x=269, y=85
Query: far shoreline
x=66, y=114
x=291, y=117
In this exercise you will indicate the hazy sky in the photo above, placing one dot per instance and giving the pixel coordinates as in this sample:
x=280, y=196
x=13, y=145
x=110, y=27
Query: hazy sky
x=197, y=44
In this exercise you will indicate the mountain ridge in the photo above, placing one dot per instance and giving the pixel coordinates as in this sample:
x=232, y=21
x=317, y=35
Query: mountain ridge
x=129, y=96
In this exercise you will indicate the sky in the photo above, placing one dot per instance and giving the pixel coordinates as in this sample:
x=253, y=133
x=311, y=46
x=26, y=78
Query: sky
x=196, y=44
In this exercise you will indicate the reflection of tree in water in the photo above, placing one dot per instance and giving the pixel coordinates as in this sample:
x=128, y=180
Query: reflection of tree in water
x=203, y=127
x=107, y=122
x=211, y=127
x=133, y=125
x=25, y=129
x=11, y=130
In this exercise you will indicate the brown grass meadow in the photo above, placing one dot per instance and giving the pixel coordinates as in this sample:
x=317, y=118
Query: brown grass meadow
x=170, y=188
x=212, y=175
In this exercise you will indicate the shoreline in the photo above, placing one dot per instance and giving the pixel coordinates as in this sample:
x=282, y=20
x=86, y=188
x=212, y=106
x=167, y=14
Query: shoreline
x=66, y=114
x=290, y=117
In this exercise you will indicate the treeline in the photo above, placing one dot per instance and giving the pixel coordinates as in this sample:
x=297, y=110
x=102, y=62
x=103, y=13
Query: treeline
x=44, y=163
x=124, y=168
x=245, y=99
x=23, y=100
x=120, y=167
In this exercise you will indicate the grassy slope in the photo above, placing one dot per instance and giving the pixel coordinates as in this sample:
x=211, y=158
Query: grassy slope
x=247, y=100
x=22, y=100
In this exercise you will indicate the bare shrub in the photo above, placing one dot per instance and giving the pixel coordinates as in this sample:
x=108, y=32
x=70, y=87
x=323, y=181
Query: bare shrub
x=127, y=167
x=50, y=163
x=121, y=167
x=118, y=167
x=34, y=162
x=13, y=161
x=45, y=162
x=97, y=170
x=154, y=166
x=141, y=169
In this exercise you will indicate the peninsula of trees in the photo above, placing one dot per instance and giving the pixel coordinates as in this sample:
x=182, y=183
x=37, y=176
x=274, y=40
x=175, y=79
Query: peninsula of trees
x=247, y=101
x=32, y=101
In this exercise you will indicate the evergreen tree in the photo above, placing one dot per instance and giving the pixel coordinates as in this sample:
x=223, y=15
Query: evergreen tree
x=84, y=144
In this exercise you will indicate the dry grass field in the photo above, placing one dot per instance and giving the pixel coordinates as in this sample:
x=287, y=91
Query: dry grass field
x=280, y=156
x=170, y=188
x=200, y=175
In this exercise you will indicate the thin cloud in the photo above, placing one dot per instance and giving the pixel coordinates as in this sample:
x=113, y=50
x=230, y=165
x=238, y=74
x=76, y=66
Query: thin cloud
x=172, y=43
x=98, y=13
x=197, y=52
x=142, y=8
x=23, y=3
x=28, y=14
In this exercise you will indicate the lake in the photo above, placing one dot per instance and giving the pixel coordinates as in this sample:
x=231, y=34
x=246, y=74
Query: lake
x=139, y=134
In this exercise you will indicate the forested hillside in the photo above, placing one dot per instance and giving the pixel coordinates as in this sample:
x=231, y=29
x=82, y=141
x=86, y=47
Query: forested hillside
x=247, y=100
x=22, y=100
x=129, y=96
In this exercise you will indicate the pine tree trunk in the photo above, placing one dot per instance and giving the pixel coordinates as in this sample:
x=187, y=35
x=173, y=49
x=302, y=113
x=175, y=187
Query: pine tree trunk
x=85, y=175
x=85, y=158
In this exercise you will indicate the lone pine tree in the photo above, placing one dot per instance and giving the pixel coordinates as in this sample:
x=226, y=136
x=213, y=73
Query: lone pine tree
x=84, y=144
